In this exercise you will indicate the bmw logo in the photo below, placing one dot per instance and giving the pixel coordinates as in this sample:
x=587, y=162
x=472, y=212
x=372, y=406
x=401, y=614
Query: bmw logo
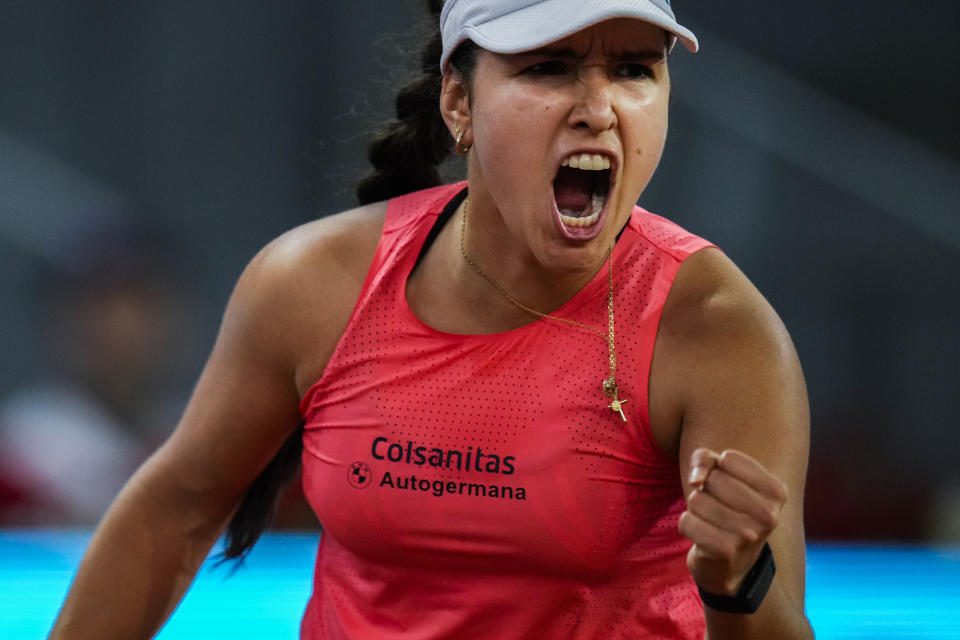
x=359, y=475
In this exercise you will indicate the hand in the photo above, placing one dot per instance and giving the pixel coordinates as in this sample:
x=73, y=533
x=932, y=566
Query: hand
x=733, y=508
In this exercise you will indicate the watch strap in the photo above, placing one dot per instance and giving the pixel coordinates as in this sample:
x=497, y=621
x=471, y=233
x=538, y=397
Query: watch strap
x=752, y=590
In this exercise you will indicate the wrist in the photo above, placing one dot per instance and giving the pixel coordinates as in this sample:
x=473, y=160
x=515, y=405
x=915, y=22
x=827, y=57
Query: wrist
x=752, y=590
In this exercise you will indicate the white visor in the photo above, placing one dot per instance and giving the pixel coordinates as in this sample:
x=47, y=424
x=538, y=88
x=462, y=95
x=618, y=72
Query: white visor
x=512, y=26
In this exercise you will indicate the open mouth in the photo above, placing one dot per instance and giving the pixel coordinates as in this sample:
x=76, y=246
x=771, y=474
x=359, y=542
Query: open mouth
x=580, y=189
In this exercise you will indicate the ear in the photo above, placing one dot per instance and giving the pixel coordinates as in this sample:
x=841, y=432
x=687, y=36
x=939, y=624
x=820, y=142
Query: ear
x=455, y=106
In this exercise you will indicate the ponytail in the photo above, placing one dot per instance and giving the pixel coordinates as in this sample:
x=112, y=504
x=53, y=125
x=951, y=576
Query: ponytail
x=405, y=157
x=256, y=511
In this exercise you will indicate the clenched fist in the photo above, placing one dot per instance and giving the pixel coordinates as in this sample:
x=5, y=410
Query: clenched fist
x=733, y=506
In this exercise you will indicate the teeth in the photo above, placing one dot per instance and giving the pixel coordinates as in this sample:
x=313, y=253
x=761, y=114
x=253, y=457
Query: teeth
x=587, y=162
x=585, y=221
x=580, y=222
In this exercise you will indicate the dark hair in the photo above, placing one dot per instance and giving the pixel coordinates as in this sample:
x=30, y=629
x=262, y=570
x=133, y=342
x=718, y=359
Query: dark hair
x=405, y=156
x=256, y=511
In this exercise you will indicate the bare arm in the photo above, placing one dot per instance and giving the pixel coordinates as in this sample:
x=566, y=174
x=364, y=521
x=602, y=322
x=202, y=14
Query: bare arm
x=728, y=388
x=282, y=321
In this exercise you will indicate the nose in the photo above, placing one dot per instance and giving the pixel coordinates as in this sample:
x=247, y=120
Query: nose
x=593, y=109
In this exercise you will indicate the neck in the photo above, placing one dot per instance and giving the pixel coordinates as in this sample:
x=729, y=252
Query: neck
x=446, y=293
x=498, y=267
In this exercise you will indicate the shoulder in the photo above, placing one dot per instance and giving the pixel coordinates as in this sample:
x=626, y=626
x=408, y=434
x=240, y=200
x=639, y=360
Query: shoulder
x=712, y=301
x=335, y=242
x=295, y=296
x=330, y=248
x=709, y=297
x=343, y=243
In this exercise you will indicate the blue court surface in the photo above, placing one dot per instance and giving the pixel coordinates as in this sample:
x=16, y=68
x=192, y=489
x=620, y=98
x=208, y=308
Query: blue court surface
x=867, y=592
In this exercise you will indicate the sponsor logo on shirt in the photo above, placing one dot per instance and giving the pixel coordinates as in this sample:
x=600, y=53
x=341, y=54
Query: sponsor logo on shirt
x=473, y=460
x=359, y=475
x=469, y=460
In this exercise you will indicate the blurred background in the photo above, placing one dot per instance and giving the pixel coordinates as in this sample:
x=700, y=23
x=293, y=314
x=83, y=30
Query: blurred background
x=148, y=150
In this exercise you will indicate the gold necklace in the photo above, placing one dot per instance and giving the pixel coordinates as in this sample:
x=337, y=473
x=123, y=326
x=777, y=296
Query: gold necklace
x=609, y=385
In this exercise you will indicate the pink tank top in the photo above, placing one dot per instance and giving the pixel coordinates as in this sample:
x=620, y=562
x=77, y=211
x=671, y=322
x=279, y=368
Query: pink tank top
x=477, y=486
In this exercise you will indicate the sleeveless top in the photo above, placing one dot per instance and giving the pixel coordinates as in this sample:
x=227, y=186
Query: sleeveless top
x=478, y=486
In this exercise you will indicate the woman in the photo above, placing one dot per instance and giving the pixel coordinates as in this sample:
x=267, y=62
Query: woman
x=533, y=412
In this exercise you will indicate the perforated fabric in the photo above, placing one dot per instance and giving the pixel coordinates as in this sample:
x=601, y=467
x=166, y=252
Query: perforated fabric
x=477, y=486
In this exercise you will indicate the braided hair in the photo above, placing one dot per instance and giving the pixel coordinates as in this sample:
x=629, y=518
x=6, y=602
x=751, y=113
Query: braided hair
x=405, y=156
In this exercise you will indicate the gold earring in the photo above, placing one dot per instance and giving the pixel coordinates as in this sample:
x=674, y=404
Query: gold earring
x=460, y=148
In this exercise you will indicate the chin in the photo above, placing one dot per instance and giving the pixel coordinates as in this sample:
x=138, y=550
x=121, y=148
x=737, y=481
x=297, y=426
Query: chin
x=579, y=258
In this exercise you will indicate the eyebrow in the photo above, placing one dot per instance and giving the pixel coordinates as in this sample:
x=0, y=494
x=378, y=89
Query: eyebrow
x=568, y=53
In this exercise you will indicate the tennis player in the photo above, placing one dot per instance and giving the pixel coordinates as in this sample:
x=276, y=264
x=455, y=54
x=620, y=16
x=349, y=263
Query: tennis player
x=525, y=406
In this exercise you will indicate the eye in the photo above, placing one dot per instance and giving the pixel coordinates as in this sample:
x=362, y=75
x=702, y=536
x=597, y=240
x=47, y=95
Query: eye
x=548, y=68
x=634, y=70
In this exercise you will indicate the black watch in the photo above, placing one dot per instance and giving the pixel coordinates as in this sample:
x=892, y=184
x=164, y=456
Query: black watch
x=752, y=591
